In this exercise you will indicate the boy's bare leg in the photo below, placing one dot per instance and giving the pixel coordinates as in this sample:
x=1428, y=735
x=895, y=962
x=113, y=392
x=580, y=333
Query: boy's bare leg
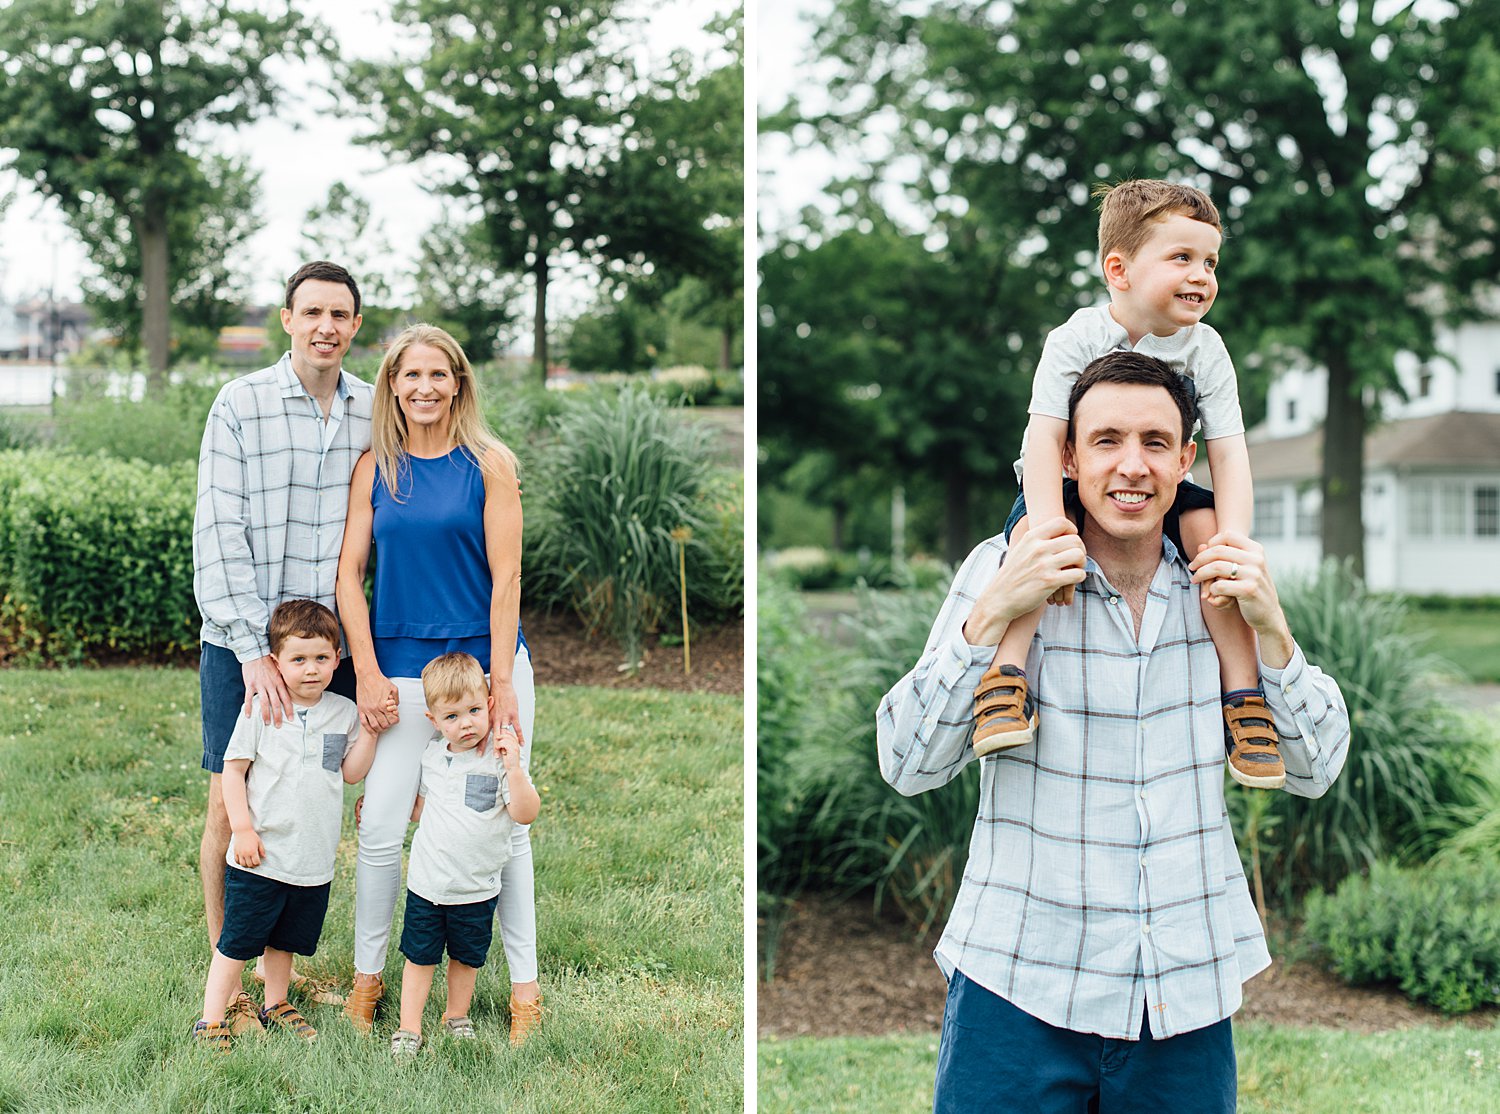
x=278, y=971
x=1254, y=760
x=416, y=984
x=461, y=980
x=1004, y=713
x=211, y=852
x=223, y=981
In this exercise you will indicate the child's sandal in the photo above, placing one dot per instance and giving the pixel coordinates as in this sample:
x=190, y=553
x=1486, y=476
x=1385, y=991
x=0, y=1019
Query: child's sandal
x=215, y=1035
x=405, y=1044
x=459, y=1028
x=285, y=1016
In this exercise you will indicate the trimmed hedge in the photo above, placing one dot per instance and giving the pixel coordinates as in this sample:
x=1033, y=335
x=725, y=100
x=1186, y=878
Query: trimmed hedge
x=1433, y=931
x=95, y=556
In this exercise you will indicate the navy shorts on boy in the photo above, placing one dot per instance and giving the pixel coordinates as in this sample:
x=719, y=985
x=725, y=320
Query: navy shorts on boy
x=1190, y=497
x=221, y=687
x=465, y=930
x=261, y=913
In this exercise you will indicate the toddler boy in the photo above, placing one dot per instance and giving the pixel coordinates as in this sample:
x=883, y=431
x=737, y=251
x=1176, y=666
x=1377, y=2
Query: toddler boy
x=471, y=796
x=1159, y=251
x=284, y=793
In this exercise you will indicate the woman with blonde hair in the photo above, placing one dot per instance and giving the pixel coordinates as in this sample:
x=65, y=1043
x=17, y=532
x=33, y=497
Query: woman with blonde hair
x=436, y=497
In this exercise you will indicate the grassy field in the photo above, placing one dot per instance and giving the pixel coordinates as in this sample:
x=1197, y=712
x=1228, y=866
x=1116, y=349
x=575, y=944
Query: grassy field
x=639, y=885
x=1468, y=639
x=1282, y=1071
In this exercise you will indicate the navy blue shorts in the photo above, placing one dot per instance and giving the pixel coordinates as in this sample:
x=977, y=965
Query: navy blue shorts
x=1190, y=497
x=221, y=686
x=999, y=1059
x=466, y=930
x=261, y=913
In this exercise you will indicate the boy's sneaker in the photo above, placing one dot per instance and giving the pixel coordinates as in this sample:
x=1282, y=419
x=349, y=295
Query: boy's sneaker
x=214, y=1035
x=285, y=1016
x=243, y=1014
x=1004, y=712
x=405, y=1044
x=1251, y=740
x=459, y=1028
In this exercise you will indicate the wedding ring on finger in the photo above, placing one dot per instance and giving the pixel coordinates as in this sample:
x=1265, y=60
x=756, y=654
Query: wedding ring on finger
x=1234, y=570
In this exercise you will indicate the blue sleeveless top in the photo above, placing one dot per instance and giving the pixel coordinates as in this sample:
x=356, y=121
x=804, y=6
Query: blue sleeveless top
x=432, y=575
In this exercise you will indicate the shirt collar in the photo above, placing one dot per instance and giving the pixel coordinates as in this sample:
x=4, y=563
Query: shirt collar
x=1169, y=553
x=291, y=386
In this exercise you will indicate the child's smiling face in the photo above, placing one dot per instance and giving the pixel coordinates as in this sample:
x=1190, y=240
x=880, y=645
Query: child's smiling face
x=464, y=722
x=1171, y=281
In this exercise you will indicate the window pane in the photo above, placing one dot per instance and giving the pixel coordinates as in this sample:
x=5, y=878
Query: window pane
x=1487, y=512
x=1453, y=511
x=1419, y=510
x=1270, y=514
x=1308, y=506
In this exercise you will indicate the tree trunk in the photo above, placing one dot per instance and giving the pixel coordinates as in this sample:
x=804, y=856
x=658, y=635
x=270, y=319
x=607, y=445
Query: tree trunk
x=726, y=347
x=956, y=515
x=539, y=319
x=156, y=296
x=840, y=519
x=1343, y=479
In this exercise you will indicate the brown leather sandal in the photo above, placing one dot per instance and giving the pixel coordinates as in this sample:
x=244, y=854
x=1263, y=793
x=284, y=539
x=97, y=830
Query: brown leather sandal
x=1251, y=741
x=360, y=1003
x=284, y=1015
x=1004, y=712
x=525, y=1018
x=214, y=1035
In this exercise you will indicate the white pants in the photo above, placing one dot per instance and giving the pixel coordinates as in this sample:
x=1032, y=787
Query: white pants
x=390, y=791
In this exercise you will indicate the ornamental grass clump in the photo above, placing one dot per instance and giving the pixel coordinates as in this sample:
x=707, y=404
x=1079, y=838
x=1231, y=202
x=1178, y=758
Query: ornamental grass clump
x=1413, y=761
x=621, y=472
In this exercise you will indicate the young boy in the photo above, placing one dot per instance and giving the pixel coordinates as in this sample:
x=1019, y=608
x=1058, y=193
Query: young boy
x=472, y=794
x=285, y=798
x=1159, y=249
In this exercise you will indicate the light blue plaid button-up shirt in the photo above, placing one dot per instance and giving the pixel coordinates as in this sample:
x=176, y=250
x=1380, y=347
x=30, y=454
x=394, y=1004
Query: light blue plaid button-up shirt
x=1103, y=878
x=273, y=491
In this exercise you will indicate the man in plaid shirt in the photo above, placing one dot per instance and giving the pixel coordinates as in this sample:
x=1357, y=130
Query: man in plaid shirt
x=273, y=489
x=1104, y=926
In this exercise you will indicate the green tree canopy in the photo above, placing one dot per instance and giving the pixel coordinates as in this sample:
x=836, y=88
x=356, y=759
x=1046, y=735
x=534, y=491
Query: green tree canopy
x=105, y=107
x=1351, y=148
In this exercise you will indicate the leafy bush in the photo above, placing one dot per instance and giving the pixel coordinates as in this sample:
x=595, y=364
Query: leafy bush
x=18, y=431
x=1434, y=932
x=1412, y=760
x=161, y=429
x=621, y=473
x=814, y=569
x=95, y=554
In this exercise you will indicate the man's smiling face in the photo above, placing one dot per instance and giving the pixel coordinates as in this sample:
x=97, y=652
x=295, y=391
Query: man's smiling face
x=1128, y=457
x=321, y=323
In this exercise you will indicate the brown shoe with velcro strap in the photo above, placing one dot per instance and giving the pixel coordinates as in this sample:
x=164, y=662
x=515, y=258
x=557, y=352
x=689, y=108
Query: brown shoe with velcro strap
x=1251, y=741
x=1004, y=712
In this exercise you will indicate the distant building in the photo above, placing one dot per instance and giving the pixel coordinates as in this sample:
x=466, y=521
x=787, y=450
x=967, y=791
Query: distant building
x=1432, y=472
x=42, y=330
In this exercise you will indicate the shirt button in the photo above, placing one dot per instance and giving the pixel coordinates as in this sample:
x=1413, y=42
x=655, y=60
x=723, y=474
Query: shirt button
x=1143, y=794
x=1146, y=929
x=1143, y=860
x=1114, y=599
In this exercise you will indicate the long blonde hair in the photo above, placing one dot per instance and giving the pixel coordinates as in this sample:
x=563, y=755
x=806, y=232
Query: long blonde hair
x=466, y=425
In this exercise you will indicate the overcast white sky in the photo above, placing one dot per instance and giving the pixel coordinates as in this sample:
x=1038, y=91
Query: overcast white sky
x=298, y=165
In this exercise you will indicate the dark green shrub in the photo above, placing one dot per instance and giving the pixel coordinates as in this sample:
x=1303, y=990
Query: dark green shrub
x=1434, y=932
x=97, y=556
x=1412, y=760
x=620, y=474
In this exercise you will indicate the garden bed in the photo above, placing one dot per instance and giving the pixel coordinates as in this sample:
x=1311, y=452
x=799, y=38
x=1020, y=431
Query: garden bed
x=841, y=971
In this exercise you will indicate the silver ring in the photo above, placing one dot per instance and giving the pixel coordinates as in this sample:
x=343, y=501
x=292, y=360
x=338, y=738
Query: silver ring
x=1234, y=571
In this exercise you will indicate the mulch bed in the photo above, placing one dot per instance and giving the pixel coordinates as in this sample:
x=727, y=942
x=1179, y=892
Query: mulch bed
x=840, y=971
x=563, y=653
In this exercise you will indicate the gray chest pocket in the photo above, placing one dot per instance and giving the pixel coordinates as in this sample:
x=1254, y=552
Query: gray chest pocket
x=480, y=791
x=333, y=751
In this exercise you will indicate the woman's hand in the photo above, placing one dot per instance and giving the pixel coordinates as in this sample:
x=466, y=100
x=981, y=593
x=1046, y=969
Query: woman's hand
x=379, y=703
x=505, y=709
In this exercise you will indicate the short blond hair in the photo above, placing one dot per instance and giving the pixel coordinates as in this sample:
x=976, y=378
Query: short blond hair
x=452, y=677
x=1128, y=209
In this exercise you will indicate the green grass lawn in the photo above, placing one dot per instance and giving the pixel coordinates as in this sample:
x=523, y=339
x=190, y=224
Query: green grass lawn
x=1282, y=1071
x=103, y=953
x=1468, y=639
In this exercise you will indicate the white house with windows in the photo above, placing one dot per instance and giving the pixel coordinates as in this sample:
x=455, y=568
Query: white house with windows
x=1432, y=472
